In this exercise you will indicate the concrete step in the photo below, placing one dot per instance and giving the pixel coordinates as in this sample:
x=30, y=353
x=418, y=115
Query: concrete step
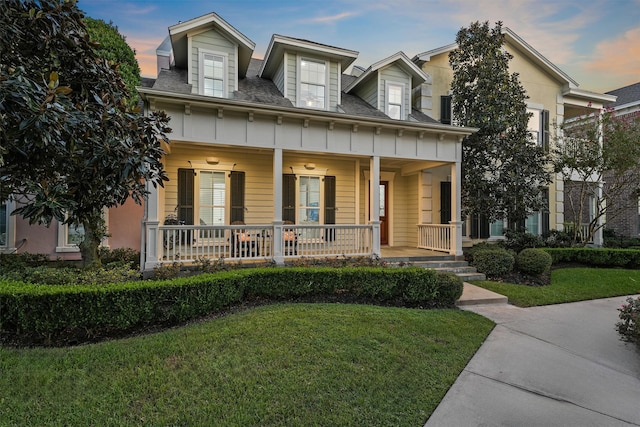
x=475, y=295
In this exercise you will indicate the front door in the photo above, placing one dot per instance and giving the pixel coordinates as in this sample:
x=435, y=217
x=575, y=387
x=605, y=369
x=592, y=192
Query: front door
x=384, y=205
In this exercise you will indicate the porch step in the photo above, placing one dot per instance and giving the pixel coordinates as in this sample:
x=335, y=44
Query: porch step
x=445, y=263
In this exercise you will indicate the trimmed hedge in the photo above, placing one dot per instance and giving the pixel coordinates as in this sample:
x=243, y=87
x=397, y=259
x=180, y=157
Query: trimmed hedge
x=494, y=262
x=63, y=314
x=596, y=257
x=533, y=261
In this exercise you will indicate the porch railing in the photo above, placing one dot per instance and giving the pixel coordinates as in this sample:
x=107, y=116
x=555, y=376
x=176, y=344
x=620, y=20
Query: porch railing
x=189, y=243
x=435, y=237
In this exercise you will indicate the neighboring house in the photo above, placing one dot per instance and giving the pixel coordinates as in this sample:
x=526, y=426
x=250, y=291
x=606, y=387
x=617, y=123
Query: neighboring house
x=553, y=98
x=287, y=156
x=627, y=104
x=60, y=241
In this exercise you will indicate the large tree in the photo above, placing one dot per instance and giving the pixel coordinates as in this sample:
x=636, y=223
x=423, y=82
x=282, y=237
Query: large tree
x=503, y=171
x=598, y=156
x=113, y=47
x=70, y=146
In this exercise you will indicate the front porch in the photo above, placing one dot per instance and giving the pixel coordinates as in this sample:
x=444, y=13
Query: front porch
x=279, y=242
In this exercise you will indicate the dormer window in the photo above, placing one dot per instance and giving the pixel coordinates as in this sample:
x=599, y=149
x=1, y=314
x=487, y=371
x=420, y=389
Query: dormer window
x=395, y=95
x=313, y=84
x=213, y=74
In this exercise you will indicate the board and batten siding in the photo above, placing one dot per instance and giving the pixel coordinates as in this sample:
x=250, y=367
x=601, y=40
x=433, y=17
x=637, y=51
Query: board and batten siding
x=292, y=75
x=213, y=41
x=278, y=78
x=334, y=96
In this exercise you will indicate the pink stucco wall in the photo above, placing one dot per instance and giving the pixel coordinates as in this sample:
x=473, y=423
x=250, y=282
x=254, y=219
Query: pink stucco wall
x=124, y=229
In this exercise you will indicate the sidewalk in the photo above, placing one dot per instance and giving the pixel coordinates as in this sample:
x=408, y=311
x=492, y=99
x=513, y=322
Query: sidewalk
x=558, y=365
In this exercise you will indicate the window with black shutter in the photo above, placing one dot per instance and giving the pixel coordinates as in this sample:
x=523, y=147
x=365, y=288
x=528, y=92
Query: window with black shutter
x=445, y=109
x=479, y=226
x=545, y=212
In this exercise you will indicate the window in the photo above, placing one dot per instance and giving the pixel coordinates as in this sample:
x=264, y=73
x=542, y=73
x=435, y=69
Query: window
x=212, y=74
x=212, y=198
x=496, y=229
x=532, y=224
x=538, y=127
x=309, y=200
x=395, y=95
x=312, y=84
x=205, y=193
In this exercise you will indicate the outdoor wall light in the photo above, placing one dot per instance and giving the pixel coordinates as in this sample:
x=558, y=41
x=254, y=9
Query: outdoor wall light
x=213, y=160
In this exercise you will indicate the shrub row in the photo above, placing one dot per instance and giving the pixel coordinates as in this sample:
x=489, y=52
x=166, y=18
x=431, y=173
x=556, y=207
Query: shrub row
x=62, y=315
x=626, y=258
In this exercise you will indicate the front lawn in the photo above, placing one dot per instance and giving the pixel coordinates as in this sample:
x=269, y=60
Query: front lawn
x=286, y=364
x=570, y=285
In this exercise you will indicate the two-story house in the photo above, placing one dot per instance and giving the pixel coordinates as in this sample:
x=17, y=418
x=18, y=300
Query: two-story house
x=288, y=156
x=553, y=98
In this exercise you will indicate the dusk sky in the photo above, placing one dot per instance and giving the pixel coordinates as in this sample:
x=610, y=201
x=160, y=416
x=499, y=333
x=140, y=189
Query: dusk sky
x=596, y=42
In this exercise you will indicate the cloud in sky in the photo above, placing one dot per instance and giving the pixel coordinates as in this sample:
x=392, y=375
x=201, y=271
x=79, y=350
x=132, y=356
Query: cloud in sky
x=591, y=40
x=332, y=18
x=619, y=56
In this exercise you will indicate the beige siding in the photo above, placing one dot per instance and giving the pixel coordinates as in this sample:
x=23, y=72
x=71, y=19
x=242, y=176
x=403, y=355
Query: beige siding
x=405, y=210
x=214, y=42
x=441, y=74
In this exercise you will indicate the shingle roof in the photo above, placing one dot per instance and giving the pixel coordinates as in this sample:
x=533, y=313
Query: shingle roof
x=626, y=95
x=173, y=80
x=253, y=88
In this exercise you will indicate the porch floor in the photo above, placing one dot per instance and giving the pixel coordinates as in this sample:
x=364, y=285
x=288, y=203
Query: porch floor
x=408, y=253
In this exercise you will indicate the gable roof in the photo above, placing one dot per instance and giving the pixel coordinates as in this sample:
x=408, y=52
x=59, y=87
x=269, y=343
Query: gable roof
x=180, y=31
x=626, y=95
x=417, y=75
x=512, y=38
x=280, y=44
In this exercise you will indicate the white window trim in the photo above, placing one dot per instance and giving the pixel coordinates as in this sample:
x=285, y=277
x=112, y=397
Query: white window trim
x=227, y=192
x=11, y=228
x=402, y=98
x=539, y=108
x=63, y=233
x=299, y=82
x=225, y=66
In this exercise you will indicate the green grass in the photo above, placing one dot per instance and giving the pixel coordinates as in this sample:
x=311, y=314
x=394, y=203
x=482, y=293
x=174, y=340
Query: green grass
x=288, y=365
x=569, y=285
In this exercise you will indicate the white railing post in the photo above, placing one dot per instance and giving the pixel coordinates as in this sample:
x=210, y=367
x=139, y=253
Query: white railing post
x=455, y=235
x=278, y=230
x=152, y=245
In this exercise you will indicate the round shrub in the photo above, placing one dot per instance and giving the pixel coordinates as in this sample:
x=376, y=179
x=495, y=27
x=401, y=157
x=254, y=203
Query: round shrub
x=493, y=262
x=533, y=261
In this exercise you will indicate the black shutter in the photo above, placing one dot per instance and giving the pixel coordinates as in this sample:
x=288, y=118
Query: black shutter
x=289, y=198
x=185, y=195
x=545, y=130
x=445, y=202
x=445, y=109
x=237, y=196
x=479, y=226
x=545, y=212
x=330, y=205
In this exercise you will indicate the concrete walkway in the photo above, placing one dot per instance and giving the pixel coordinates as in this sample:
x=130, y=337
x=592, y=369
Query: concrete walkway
x=558, y=365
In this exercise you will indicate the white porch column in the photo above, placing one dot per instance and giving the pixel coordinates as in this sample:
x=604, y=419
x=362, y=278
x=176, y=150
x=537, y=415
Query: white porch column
x=374, y=197
x=456, y=220
x=278, y=256
x=151, y=241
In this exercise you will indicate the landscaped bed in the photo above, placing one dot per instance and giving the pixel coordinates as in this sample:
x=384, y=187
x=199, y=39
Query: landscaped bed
x=570, y=285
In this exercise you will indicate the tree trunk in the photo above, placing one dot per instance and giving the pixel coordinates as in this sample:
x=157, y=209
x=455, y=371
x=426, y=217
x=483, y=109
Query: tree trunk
x=94, y=232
